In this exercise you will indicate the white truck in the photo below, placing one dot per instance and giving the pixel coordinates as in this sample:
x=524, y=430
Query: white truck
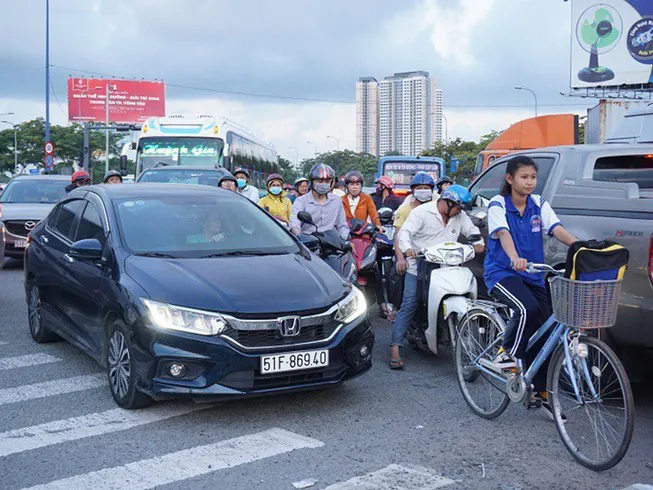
x=607, y=117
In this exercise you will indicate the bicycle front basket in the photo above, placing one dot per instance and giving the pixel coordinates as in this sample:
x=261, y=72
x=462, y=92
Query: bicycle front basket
x=585, y=304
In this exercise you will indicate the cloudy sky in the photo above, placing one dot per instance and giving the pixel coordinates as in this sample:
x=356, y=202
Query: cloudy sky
x=305, y=54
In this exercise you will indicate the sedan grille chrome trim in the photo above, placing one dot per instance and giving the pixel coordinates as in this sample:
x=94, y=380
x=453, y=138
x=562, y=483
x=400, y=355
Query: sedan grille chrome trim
x=281, y=343
x=272, y=323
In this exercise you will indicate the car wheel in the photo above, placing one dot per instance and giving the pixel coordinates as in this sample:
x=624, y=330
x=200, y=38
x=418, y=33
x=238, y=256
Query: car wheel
x=120, y=370
x=37, y=327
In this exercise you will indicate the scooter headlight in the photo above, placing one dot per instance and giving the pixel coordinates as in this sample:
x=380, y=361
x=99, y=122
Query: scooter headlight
x=352, y=307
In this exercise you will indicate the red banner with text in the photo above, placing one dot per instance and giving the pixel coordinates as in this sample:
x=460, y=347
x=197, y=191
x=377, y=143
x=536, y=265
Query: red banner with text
x=129, y=101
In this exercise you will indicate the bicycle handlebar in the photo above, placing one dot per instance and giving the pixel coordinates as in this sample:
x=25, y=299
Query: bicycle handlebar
x=533, y=268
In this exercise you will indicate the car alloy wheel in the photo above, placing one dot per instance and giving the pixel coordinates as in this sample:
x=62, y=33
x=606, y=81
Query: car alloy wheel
x=35, y=319
x=119, y=360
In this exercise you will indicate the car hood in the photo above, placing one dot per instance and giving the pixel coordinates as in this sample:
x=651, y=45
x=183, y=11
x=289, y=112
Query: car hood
x=240, y=285
x=25, y=211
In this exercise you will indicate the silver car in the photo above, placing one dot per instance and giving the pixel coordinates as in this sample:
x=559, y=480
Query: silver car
x=24, y=202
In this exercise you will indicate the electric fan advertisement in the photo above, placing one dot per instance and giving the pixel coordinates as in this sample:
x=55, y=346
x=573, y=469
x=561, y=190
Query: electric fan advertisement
x=611, y=43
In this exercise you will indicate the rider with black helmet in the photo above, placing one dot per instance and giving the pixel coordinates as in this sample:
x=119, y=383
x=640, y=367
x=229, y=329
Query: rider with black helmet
x=228, y=182
x=443, y=183
x=324, y=207
x=113, y=177
x=244, y=188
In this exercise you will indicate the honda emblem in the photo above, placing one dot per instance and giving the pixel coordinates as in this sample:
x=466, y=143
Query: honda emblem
x=288, y=326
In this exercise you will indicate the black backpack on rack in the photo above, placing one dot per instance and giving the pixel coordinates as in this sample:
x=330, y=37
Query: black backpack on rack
x=593, y=260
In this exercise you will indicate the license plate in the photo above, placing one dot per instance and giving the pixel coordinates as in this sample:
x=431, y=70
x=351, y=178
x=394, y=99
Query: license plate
x=20, y=243
x=294, y=361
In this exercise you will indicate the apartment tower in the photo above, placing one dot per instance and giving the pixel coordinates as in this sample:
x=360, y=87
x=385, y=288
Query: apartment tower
x=367, y=116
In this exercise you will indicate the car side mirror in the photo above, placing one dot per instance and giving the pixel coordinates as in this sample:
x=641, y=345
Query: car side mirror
x=312, y=243
x=123, y=164
x=305, y=218
x=87, y=249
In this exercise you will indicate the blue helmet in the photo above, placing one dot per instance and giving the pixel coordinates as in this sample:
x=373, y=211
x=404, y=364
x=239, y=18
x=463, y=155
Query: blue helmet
x=422, y=178
x=458, y=195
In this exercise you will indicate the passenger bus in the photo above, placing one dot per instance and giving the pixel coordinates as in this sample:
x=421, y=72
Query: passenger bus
x=204, y=142
x=402, y=169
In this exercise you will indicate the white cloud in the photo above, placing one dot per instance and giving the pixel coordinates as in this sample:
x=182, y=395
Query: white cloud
x=453, y=28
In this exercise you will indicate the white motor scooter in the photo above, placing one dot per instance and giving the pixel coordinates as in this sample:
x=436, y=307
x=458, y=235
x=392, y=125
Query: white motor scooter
x=446, y=291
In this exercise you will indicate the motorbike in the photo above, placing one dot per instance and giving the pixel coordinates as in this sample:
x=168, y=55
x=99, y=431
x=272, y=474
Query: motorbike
x=445, y=287
x=385, y=257
x=364, y=250
x=331, y=248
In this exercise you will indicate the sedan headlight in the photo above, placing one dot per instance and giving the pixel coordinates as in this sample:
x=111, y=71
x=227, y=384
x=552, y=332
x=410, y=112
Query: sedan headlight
x=170, y=317
x=352, y=306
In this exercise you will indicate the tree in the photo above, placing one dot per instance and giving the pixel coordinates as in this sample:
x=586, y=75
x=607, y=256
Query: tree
x=286, y=170
x=343, y=161
x=68, y=142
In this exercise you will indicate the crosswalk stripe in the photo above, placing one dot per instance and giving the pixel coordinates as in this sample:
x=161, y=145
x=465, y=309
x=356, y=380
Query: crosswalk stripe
x=396, y=477
x=51, y=388
x=188, y=463
x=3, y=343
x=117, y=419
x=26, y=361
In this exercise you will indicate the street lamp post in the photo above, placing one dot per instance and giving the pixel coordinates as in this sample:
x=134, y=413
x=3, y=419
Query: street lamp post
x=337, y=141
x=15, y=144
x=296, y=156
x=534, y=95
x=311, y=143
x=6, y=114
x=446, y=129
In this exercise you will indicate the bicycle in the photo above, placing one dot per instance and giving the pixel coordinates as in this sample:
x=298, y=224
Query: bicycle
x=588, y=389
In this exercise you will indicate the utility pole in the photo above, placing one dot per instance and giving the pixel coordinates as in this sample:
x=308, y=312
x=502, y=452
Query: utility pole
x=47, y=70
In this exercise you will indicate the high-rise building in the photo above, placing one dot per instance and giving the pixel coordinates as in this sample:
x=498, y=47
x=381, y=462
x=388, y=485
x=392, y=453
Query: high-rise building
x=367, y=116
x=438, y=116
x=408, y=120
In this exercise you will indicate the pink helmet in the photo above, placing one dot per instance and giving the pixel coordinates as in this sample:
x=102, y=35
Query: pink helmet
x=386, y=181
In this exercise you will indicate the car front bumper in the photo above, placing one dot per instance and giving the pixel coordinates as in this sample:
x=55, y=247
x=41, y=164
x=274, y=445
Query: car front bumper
x=217, y=369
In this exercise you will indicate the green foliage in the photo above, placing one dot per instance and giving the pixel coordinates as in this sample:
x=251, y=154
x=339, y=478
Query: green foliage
x=68, y=142
x=343, y=161
x=286, y=170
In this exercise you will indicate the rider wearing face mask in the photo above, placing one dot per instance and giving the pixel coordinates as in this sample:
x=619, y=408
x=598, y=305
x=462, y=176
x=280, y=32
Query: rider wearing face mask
x=275, y=202
x=438, y=221
x=249, y=191
x=324, y=207
x=356, y=203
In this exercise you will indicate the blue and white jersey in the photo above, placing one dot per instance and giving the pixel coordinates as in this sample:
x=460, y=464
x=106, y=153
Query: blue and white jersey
x=526, y=231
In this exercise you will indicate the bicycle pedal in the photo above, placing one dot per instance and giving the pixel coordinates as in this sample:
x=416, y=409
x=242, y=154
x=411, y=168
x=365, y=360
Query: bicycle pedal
x=533, y=404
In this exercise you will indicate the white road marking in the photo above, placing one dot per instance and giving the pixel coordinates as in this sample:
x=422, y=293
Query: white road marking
x=51, y=388
x=395, y=477
x=3, y=343
x=188, y=463
x=26, y=361
x=59, y=431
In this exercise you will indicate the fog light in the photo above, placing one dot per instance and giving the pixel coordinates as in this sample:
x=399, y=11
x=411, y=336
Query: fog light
x=177, y=370
x=364, y=351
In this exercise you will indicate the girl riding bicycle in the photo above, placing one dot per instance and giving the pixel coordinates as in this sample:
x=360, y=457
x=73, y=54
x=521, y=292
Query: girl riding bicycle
x=517, y=220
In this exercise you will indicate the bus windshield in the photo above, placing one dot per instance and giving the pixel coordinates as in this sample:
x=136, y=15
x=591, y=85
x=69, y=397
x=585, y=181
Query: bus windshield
x=186, y=151
x=402, y=171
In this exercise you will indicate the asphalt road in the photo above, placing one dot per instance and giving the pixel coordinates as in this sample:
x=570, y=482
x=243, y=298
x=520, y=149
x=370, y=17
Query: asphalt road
x=386, y=429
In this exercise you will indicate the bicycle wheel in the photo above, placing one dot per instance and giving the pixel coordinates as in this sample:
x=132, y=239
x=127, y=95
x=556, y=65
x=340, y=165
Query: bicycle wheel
x=485, y=396
x=598, y=429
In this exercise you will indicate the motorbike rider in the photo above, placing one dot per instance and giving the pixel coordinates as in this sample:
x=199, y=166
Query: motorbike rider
x=249, y=191
x=113, y=177
x=79, y=179
x=356, y=203
x=421, y=189
x=301, y=188
x=443, y=183
x=228, y=182
x=340, y=189
x=325, y=208
x=384, y=197
x=438, y=221
x=275, y=202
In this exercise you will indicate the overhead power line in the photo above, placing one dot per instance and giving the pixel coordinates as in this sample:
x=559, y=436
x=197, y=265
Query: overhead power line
x=298, y=99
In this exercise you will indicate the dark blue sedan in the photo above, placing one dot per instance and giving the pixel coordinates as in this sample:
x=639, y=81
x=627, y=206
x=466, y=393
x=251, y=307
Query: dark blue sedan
x=190, y=291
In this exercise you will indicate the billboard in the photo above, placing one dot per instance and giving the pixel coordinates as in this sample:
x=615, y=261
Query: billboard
x=611, y=43
x=129, y=101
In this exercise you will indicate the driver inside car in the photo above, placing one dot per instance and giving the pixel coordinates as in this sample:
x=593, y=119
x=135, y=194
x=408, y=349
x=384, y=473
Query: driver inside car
x=211, y=229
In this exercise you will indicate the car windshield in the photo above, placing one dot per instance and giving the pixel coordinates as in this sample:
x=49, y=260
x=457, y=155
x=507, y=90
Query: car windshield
x=189, y=151
x=34, y=191
x=402, y=172
x=193, y=226
x=182, y=176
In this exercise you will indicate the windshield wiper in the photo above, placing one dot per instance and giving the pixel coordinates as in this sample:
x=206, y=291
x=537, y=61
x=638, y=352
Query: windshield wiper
x=157, y=254
x=239, y=253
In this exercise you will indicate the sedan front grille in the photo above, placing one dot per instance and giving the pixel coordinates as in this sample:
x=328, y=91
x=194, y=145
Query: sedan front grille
x=272, y=338
x=20, y=227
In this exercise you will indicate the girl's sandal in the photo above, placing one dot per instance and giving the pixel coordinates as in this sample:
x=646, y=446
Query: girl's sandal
x=396, y=363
